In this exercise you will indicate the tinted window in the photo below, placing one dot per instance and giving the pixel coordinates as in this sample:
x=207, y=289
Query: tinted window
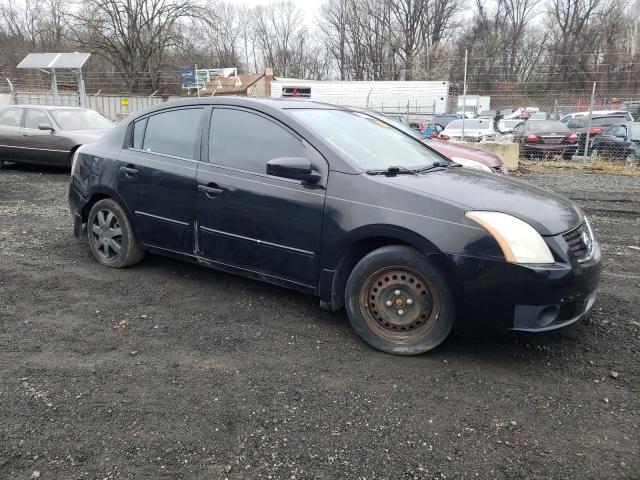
x=138, y=133
x=11, y=117
x=246, y=141
x=173, y=133
x=546, y=127
x=33, y=118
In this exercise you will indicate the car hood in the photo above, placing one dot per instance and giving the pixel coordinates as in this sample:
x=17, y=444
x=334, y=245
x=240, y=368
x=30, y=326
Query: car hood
x=450, y=150
x=547, y=212
x=86, y=136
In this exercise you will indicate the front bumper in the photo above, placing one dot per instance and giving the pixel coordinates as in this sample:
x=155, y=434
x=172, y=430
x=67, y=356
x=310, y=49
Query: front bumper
x=530, y=298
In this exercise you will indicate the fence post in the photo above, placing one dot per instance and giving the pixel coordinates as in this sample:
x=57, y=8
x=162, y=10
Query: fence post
x=464, y=93
x=586, y=143
x=14, y=97
x=556, y=114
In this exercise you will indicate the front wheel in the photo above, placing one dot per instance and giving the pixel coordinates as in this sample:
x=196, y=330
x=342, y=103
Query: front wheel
x=399, y=302
x=111, y=236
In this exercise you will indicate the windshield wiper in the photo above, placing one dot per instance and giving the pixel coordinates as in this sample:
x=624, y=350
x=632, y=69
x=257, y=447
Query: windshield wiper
x=392, y=171
x=438, y=165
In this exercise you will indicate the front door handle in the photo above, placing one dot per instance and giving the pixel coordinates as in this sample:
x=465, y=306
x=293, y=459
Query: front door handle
x=211, y=190
x=129, y=170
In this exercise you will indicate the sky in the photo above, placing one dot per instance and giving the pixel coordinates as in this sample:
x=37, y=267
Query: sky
x=309, y=7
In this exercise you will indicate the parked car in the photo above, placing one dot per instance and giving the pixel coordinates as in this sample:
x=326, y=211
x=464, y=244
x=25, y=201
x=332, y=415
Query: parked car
x=47, y=135
x=445, y=119
x=468, y=157
x=507, y=125
x=598, y=113
x=619, y=142
x=475, y=130
x=541, y=138
x=633, y=107
x=431, y=130
x=580, y=126
x=337, y=204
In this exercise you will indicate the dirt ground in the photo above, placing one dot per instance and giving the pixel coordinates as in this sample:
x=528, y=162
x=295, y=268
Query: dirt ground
x=169, y=370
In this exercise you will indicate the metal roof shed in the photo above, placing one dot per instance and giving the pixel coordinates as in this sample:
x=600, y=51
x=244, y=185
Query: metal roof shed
x=52, y=61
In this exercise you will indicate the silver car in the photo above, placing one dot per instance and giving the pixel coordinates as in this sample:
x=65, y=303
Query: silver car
x=475, y=130
x=47, y=135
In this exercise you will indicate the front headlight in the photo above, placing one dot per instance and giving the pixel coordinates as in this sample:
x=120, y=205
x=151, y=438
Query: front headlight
x=519, y=241
x=465, y=162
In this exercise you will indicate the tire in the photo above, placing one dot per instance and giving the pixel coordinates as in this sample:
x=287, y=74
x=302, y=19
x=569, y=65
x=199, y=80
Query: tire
x=111, y=237
x=631, y=160
x=595, y=153
x=399, y=302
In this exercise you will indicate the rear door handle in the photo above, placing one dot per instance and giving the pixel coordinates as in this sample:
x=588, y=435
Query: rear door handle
x=129, y=170
x=211, y=190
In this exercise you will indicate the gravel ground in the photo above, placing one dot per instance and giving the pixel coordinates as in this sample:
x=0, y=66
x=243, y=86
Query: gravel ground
x=169, y=370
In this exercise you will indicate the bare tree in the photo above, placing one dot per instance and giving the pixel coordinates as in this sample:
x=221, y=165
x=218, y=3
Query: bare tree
x=135, y=36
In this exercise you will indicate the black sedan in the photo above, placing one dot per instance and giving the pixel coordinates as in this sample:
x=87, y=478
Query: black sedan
x=620, y=142
x=337, y=204
x=47, y=135
x=542, y=138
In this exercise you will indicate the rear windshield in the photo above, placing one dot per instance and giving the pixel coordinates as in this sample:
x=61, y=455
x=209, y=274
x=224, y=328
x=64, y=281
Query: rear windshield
x=550, y=126
x=474, y=123
x=597, y=121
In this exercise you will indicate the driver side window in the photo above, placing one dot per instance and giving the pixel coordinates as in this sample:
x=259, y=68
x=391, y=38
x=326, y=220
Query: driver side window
x=247, y=141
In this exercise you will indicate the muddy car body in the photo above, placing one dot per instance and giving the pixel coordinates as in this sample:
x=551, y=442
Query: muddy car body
x=315, y=201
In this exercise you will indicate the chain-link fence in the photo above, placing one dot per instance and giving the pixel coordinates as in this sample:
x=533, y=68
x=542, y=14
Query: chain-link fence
x=604, y=133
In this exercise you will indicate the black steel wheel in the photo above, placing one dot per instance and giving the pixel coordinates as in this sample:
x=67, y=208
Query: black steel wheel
x=399, y=302
x=111, y=236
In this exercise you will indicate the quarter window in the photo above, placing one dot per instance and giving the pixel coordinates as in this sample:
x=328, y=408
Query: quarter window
x=11, y=117
x=33, y=118
x=138, y=133
x=173, y=133
x=247, y=141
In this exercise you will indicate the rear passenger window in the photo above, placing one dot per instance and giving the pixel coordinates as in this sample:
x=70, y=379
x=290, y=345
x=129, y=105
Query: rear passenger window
x=34, y=118
x=173, y=133
x=11, y=117
x=138, y=133
x=247, y=141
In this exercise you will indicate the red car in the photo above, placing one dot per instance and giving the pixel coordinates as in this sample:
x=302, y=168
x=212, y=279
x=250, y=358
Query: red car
x=468, y=156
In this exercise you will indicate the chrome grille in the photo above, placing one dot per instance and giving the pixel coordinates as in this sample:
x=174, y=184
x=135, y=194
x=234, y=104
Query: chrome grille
x=580, y=241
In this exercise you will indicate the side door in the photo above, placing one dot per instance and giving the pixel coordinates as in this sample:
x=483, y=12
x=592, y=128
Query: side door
x=41, y=146
x=11, y=133
x=248, y=219
x=157, y=174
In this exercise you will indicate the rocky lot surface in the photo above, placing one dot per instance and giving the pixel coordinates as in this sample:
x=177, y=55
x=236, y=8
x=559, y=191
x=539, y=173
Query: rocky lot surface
x=169, y=370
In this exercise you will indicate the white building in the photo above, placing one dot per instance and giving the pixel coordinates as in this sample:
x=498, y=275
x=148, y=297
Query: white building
x=389, y=96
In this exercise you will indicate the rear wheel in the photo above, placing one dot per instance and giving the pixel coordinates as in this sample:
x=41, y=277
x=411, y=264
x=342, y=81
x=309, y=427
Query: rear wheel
x=111, y=236
x=398, y=301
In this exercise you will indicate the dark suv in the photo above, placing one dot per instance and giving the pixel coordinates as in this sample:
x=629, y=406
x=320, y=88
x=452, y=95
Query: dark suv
x=337, y=204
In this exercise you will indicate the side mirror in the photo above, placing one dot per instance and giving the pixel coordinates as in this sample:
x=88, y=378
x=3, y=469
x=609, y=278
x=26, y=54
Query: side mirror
x=297, y=168
x=45, y=126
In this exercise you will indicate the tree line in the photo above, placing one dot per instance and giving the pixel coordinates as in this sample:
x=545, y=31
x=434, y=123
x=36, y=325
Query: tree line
x=140, y=45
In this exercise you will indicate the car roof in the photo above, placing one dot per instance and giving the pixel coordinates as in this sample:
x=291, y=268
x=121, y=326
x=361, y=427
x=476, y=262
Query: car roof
x=47, y=107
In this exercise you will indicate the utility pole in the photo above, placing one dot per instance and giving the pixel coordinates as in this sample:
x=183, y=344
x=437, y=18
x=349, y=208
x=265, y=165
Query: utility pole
x=464, y=93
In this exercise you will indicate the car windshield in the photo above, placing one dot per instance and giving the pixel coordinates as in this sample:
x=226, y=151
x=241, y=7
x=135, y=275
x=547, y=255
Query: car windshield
x=76, y=119
x=471, y=123
x=598, y=121
x=546, y=127
x=367, y=142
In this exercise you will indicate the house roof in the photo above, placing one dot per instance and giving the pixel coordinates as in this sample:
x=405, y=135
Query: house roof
x=232, y=85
